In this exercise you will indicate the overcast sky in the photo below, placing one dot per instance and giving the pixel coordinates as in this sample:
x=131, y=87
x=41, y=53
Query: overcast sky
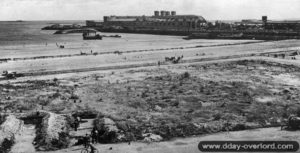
x=96, y=9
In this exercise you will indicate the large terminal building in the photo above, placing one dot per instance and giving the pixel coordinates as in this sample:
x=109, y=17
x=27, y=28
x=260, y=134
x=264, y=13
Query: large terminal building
x=160, y=20
x=169, y=23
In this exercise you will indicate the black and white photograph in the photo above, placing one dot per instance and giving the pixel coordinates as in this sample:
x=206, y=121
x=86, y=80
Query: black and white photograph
x=149, y=76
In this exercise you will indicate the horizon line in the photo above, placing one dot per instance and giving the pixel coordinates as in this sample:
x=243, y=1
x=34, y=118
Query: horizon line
x=32, y=20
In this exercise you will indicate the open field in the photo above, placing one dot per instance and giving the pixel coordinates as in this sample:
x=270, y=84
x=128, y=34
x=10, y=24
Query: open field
x=218, y=86
x=215, y=85
x=171, y=101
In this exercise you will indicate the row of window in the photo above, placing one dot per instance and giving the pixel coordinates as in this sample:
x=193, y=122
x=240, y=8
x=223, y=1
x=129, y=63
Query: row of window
x=157, y=23
x=170, y=20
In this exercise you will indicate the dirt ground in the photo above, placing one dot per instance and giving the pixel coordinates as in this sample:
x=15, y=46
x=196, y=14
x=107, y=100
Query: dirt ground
x=190, y=145
x=89, y=61
x=173, y=100
x=24, y=140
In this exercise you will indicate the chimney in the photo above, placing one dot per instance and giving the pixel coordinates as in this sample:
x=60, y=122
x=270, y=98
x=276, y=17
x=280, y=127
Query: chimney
x=264, y=19
x=167, y=13
x=162, y=13
x=156, y=13
x=105, y=18
x=173, y=13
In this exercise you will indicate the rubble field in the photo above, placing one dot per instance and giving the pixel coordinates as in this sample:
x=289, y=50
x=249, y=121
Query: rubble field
x=161, y=103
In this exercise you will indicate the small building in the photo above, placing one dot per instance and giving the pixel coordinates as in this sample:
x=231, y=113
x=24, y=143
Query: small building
x=91, y=23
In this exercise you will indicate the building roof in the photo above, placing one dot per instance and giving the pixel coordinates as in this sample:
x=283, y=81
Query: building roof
x=285, y=21
x=123, y=19
x=169, y=17
x=254, y=21
x=180, y=16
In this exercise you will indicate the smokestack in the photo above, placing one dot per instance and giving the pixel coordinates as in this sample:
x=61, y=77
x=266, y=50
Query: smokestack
x=156, y=13
x=162, y=13
x=173, y=13
x=105, y=18
x=264, y=19
x=167, y=13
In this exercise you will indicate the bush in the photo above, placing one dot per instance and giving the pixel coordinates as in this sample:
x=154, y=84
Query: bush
x=217, y=116
x=6, y=145
x=298, y=111
x=27, y=105
x=2, y=118
x=108, y=130
x=238, y=127
x=186, y=75
x=73, y=96
x=257, y=114
x=55, y=79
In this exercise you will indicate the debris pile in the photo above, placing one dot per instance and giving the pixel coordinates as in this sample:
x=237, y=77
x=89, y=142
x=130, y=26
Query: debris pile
x=53, y=132
x=8, y=130
x=149, y=137
x=108, y=130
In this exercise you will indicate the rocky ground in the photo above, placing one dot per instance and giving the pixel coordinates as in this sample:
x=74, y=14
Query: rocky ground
x=143, y=104
x=10, y=128
x=190, y=145
x=161, y=103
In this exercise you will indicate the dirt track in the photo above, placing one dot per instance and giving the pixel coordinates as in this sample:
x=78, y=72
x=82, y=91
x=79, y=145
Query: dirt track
x=155, y=63
x=148, y=64
x=124, y=52
x=24, y=140
x=191, y=54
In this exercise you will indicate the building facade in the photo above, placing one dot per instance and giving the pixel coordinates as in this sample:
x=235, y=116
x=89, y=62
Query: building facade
x=163, y=20
x=265, y=24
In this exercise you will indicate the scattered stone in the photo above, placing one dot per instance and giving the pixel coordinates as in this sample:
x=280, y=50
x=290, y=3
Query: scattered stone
x=11, y=127
x=157, y=108
x=150, y=137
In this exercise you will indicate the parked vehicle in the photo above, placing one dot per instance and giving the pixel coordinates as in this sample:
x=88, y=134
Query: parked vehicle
x=10, y=75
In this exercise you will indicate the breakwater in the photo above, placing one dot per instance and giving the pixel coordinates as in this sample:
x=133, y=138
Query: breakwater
x=213, y=34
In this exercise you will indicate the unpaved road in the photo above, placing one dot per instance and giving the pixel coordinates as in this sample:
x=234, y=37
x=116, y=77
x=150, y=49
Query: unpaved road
x=24, y=140
x=190, y=145
x=90, y=63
